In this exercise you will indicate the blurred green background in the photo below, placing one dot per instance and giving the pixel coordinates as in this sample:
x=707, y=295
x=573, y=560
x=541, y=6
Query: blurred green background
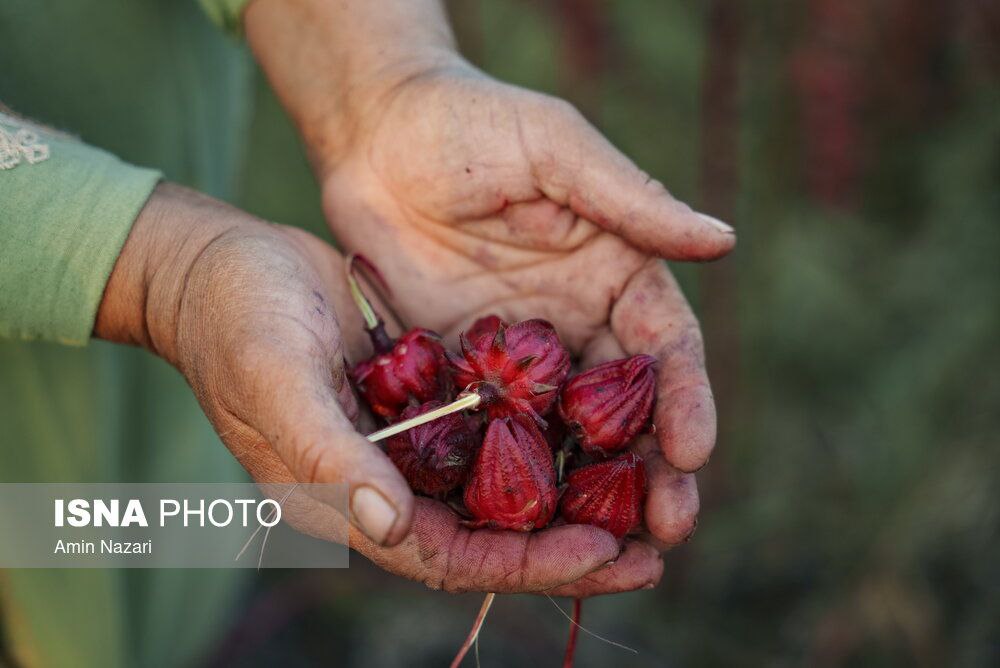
x=852, y=510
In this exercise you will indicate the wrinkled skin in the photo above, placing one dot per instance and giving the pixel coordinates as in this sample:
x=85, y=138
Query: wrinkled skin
x=497, y=200
x=473, y=197
x=258, y=319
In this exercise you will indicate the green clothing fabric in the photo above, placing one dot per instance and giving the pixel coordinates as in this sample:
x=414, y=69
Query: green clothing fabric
x=156, y=84
x=226, y=13
x=63, y=221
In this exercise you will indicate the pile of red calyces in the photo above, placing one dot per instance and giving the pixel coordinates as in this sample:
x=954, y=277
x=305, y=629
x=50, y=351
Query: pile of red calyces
x=545, y=447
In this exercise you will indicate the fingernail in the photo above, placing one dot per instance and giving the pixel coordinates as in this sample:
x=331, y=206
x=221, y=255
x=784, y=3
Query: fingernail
x=373, y=514
x=717, y=224
x=694, y=527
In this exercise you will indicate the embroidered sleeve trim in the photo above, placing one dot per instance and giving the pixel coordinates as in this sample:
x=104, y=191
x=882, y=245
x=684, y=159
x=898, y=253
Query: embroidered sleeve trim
x=19, y=144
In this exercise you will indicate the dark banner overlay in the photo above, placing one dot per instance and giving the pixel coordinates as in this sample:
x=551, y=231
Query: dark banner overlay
x=173, y=525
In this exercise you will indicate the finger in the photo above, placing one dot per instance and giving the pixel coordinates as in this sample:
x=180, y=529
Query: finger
x=640, y=566
x=651, y=316
x=299, y=393
x=672, y=502
x=576, y=166
x=603, y=347
x=445, y=555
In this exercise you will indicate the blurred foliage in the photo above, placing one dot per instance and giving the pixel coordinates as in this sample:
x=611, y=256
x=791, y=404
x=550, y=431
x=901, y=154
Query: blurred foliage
x=851, y=513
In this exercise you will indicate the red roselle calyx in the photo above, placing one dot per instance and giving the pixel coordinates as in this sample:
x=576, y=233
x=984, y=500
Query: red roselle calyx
x=516, y=368
x=607, y=494
x=411, y=369
x=606, y=406
x=513, y=482
x=435, y=457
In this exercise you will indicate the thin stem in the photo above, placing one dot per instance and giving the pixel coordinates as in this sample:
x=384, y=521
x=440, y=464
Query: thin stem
x=464, y=401
x=573, y=628
x=474, y=632
x=587, y=631
x=367, y=312
x=270, y=517
x=374, y=325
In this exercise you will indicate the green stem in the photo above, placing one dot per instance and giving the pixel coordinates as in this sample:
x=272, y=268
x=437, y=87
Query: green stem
x=373, y=323
x=367, y=312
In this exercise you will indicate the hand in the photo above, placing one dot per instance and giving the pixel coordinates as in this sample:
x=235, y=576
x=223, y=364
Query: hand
x=476, y=197
x=493, y=199
x=252, y=315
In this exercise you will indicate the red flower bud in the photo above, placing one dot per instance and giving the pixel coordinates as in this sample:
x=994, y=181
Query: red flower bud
x=608, y=405
x=485, y=326
x=608, y=494
x=414, y=368
x=434, y=457
x=516, y=368
x=513, y=483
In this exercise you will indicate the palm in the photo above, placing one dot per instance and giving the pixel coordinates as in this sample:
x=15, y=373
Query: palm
x=450, y=208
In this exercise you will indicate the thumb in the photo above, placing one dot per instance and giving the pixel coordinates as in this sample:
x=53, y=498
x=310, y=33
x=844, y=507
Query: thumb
x=577, y=167
x=304, y=415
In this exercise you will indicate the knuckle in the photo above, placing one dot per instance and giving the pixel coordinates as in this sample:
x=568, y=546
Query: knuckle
x=654, y=186
x=566, y=109
x=441, y=566
x=249, y=360
x=688, y=344
x=437, y=573
x=311, y=461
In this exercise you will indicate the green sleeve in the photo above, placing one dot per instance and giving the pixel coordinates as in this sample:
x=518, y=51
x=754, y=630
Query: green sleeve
x=65, y=211
x=226, y=13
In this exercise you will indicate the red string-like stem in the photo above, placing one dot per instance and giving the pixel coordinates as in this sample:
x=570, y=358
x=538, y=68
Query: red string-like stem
x=474, y=633
x=573, y=631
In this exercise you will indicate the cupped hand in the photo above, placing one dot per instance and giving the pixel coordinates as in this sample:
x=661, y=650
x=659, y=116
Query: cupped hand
x=476, y=197
x=259, y=320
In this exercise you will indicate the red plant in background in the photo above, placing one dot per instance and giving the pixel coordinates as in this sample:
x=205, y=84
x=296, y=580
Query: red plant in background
x=608, y=405
x=513, y=482
x=515, y=368
x=609, y=494
x=829, y=71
